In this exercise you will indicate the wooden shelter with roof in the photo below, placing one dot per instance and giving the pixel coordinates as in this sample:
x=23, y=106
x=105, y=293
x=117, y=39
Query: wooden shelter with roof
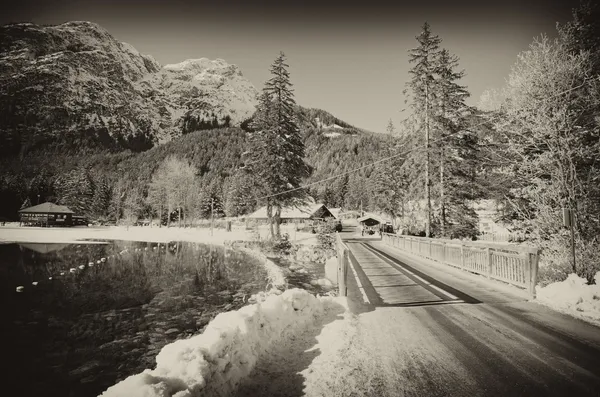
x=297, y=214
x=46, y=214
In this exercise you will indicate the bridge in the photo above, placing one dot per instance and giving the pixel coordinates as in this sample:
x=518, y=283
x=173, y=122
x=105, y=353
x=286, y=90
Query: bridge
x=445, y=319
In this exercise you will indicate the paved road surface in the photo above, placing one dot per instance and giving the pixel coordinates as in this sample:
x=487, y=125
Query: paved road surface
x=431, y=330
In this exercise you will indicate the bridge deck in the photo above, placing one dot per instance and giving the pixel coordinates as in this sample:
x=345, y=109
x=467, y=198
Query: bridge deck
x=392, y=284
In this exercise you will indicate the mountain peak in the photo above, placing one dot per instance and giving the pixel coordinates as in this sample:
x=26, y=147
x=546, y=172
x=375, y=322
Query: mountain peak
x=75, y=78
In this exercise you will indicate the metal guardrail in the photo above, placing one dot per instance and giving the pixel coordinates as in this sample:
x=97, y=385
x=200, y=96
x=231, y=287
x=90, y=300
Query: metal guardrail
x=343, y=258
x=512, y=264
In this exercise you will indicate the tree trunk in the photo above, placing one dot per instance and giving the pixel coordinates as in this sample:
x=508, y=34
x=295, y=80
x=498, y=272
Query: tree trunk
x=427, y=147
x=160, y=216
x=169, y=216
x=442, y=202
x=277, y=221
x=270, y=218
x=179, y=216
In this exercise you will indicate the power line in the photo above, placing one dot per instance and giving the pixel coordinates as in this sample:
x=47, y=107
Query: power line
x=413, y=149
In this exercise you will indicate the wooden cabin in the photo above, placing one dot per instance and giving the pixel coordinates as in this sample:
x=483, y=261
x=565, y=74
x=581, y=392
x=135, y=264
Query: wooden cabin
x=46, y=214
x=306, y=214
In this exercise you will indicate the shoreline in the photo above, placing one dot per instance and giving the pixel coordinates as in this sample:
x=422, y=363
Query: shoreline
x=27, y=234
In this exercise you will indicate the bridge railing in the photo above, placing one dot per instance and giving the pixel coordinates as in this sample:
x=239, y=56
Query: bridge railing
x=516, y=265
x=343, y=257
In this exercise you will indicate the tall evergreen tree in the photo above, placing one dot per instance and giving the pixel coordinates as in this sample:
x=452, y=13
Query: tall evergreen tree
x=457, y=150
x=276, y=157
x=422, y=88
x=390, y=129
x=239, y=196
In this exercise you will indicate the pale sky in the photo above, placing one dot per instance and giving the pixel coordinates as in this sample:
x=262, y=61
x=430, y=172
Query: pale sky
x=349, y=59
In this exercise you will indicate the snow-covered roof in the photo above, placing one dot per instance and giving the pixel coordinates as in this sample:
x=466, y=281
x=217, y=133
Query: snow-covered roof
x=306, y=211
x=48, y=208
x=374, y=217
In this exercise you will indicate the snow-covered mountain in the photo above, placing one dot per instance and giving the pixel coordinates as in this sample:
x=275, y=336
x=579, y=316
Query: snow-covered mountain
x=76, y=82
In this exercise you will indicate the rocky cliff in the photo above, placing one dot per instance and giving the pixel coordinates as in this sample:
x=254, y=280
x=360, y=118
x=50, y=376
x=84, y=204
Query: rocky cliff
x=76, y=83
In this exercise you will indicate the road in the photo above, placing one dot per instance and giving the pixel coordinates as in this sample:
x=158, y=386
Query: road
x=431, y=330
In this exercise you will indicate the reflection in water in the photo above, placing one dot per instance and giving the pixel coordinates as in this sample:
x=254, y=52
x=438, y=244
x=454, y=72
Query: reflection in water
x=78, y=333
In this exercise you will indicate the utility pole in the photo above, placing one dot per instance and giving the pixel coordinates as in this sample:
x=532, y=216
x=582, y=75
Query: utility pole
x=427, y=183
x=212, y=205
x=568, y=221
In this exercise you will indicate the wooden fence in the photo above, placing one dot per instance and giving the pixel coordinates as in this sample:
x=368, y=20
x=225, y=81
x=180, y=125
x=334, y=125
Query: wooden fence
x=343, y=257
x=512, y=264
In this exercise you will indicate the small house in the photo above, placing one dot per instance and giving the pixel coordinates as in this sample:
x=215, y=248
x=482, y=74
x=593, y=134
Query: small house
x=46, y=214
x=301, y=214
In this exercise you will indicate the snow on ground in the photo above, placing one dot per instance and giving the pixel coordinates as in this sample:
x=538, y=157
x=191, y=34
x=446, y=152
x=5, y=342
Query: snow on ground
x=573, y=296
x=132, y=233
x=16, y=234
x=232, y=346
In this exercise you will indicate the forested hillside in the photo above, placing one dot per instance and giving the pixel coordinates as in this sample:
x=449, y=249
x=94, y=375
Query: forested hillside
x=215, y=154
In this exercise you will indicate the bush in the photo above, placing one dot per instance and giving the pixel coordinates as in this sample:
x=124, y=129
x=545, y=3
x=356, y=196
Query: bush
x=326, y=237
x=556, y=261
x=276, y=247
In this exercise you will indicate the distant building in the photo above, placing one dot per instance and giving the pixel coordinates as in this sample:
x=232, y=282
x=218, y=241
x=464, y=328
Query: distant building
x=370, y=220
x=297, y=214
x=46, y=214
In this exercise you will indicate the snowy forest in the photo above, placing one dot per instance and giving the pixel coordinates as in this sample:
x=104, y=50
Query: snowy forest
x=532, y=147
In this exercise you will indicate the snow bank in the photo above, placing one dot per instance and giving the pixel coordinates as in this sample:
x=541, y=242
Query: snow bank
x=573, y=295
x=215, y=362
x=132, y=233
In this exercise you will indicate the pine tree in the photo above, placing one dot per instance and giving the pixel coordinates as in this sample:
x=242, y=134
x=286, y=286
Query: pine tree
x=457, y=150
x=276, y=156
x=422, y=87
x=239, y=196
x=390, y=129
x=76, y=191
x=102, y=198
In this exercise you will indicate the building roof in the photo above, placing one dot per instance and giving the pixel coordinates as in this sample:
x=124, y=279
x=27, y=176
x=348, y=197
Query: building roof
x=306, y=211
x=372, y=217
x=47, y=208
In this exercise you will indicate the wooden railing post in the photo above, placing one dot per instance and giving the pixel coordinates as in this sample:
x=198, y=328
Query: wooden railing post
x=462, y=255
x=489, y=262
x=533, y=265
x=343, y=256
x=443, y=252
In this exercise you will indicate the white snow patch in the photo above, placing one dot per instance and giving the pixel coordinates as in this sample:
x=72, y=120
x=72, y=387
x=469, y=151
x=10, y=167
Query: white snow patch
x=215, y=362
x=574, y=296
x=331, y=134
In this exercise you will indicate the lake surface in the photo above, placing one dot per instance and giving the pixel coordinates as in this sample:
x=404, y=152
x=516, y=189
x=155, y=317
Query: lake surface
x=101, y=312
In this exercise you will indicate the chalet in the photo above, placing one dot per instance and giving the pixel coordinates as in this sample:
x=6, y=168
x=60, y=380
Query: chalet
x=373, y=223
x=370, y=220
x=46, y=214
x=306, y=213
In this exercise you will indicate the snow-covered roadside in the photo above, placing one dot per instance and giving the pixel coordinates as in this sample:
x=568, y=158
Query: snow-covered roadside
x=573, y=296
x=15, y=234
x=215, y=362
x=132, y=233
